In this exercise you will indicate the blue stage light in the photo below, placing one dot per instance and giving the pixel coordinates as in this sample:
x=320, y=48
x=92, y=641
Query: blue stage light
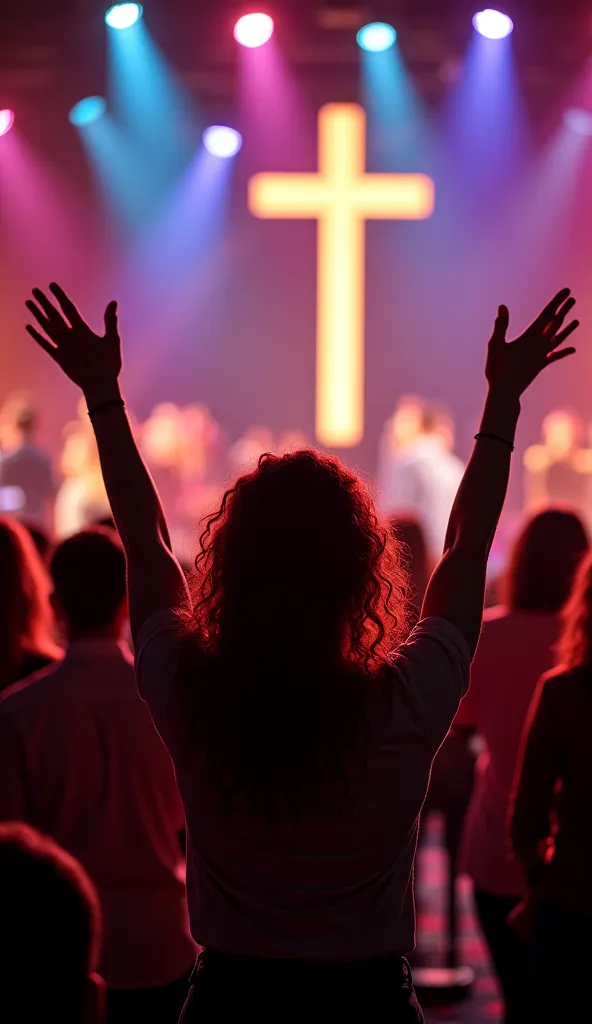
x=222, y=141
x=376, y=36
x=87, y=111
x=123, y=15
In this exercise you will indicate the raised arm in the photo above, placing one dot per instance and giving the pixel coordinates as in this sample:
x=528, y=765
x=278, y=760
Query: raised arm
x=155, y=579
x=457, y=588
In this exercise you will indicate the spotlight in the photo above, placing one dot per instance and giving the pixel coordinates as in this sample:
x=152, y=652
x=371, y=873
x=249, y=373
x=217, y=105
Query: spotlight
x=222, y=141
x=87, y=111
x=577, y=120
x=376, y=36
x=123, y=15
x=253, y=30
x=6, y=121
x=492, y=24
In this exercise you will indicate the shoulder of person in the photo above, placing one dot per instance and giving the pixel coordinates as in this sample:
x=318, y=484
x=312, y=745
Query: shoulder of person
x=26, y=691
x=561, y=680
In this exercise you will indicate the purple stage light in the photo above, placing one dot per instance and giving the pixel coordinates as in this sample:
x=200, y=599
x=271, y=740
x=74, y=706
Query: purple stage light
x=492, y=24
x=222, y=141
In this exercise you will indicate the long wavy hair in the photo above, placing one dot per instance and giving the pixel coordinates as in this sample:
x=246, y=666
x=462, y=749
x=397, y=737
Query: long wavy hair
x=544, y=561
x=26, y=616
x=575, y=643
x=300, y=599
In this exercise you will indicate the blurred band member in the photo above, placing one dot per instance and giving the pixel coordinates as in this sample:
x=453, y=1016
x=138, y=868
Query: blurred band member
x=26, y=466
x=559, y=469
x=422, y=474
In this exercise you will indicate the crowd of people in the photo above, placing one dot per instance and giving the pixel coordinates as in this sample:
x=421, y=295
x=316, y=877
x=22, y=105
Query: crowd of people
x=230, y=825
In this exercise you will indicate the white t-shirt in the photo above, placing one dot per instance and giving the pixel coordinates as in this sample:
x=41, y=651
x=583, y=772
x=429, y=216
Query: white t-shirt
x=339, y=885
x=424, y=482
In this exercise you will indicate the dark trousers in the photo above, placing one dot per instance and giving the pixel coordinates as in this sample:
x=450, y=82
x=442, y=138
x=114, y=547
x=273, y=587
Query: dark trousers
x=510, y=955
x=225, y=988
x=147, y=1005
x=561, y=950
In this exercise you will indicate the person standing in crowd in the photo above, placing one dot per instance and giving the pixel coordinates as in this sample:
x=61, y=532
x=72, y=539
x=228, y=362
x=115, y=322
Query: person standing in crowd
x=81, y=760
x=28, y=467
x=515, y=648
x=559, y=469
x=408, y=531
x=551, y=818
x=50, y=933
x=302, y=744
x=27, y=624
x=423, y=474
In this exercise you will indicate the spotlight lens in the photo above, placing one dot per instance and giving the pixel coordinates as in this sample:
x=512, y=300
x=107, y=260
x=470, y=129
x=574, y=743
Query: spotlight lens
x=253, y=30
x=87, y=111
x=6, y=121
x=578, y=121
x=123, y=15
x=376, y=37
x=222, y=141
x=492, y=24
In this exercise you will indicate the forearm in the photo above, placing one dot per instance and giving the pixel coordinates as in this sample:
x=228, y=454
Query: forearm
x=133, y=497
x=482, y=491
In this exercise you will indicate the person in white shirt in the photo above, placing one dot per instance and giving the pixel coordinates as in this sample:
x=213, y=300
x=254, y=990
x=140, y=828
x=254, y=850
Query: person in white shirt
x=302, y=738
x=422, y=476
x=81, y=761
x=28, y=471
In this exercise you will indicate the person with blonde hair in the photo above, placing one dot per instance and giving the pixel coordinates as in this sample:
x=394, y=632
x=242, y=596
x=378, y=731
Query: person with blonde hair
x=551, y=817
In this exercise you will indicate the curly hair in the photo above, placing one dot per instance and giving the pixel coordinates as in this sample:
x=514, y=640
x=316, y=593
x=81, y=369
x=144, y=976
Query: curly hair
x=575, y=643
x=300, y=599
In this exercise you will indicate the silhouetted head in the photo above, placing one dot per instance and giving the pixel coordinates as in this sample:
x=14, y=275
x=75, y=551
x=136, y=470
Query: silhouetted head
x=544, y=560
x=50, y=929
x=88, y=574
x=410, y=533
x=298, y=586
x=575, y=644
x=26, y=617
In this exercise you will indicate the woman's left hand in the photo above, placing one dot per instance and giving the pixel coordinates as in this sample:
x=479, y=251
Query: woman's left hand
x=90, y=360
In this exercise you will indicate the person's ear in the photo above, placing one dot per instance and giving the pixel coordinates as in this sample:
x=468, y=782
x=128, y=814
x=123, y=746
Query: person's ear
x=94, y=1001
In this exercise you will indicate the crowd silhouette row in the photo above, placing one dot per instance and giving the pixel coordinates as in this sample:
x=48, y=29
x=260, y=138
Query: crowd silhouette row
x=229, y=826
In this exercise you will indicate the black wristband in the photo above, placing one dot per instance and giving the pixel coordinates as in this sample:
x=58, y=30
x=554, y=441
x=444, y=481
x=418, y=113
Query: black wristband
x=112, y=404
x=494, y=437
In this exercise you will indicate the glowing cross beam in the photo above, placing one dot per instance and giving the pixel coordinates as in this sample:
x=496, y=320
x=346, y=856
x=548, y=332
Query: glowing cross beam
x=341, y=197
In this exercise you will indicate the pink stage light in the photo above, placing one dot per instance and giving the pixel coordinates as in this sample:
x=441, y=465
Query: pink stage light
x=6, y=121
x=253, y=30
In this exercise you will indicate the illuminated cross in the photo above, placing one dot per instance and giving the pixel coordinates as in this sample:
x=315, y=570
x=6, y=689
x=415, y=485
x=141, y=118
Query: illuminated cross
x=341, y=197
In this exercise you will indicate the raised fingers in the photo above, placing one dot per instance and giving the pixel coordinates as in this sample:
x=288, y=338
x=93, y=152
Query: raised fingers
x=67, y=306
x=42, y=341
x=551, y=309
x=558, y=339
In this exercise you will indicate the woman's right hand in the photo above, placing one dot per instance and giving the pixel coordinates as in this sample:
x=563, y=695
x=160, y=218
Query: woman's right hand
x=512, y=366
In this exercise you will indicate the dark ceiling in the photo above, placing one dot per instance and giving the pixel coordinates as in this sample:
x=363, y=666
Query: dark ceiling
x=53, y=51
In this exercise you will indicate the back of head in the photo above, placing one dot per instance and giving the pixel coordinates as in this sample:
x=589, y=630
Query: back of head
x=26, y=618
x=409, y=531
x=298, y=587
x=88, y=573
x=50, y=925
x=544, y=560
x=438, y=421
